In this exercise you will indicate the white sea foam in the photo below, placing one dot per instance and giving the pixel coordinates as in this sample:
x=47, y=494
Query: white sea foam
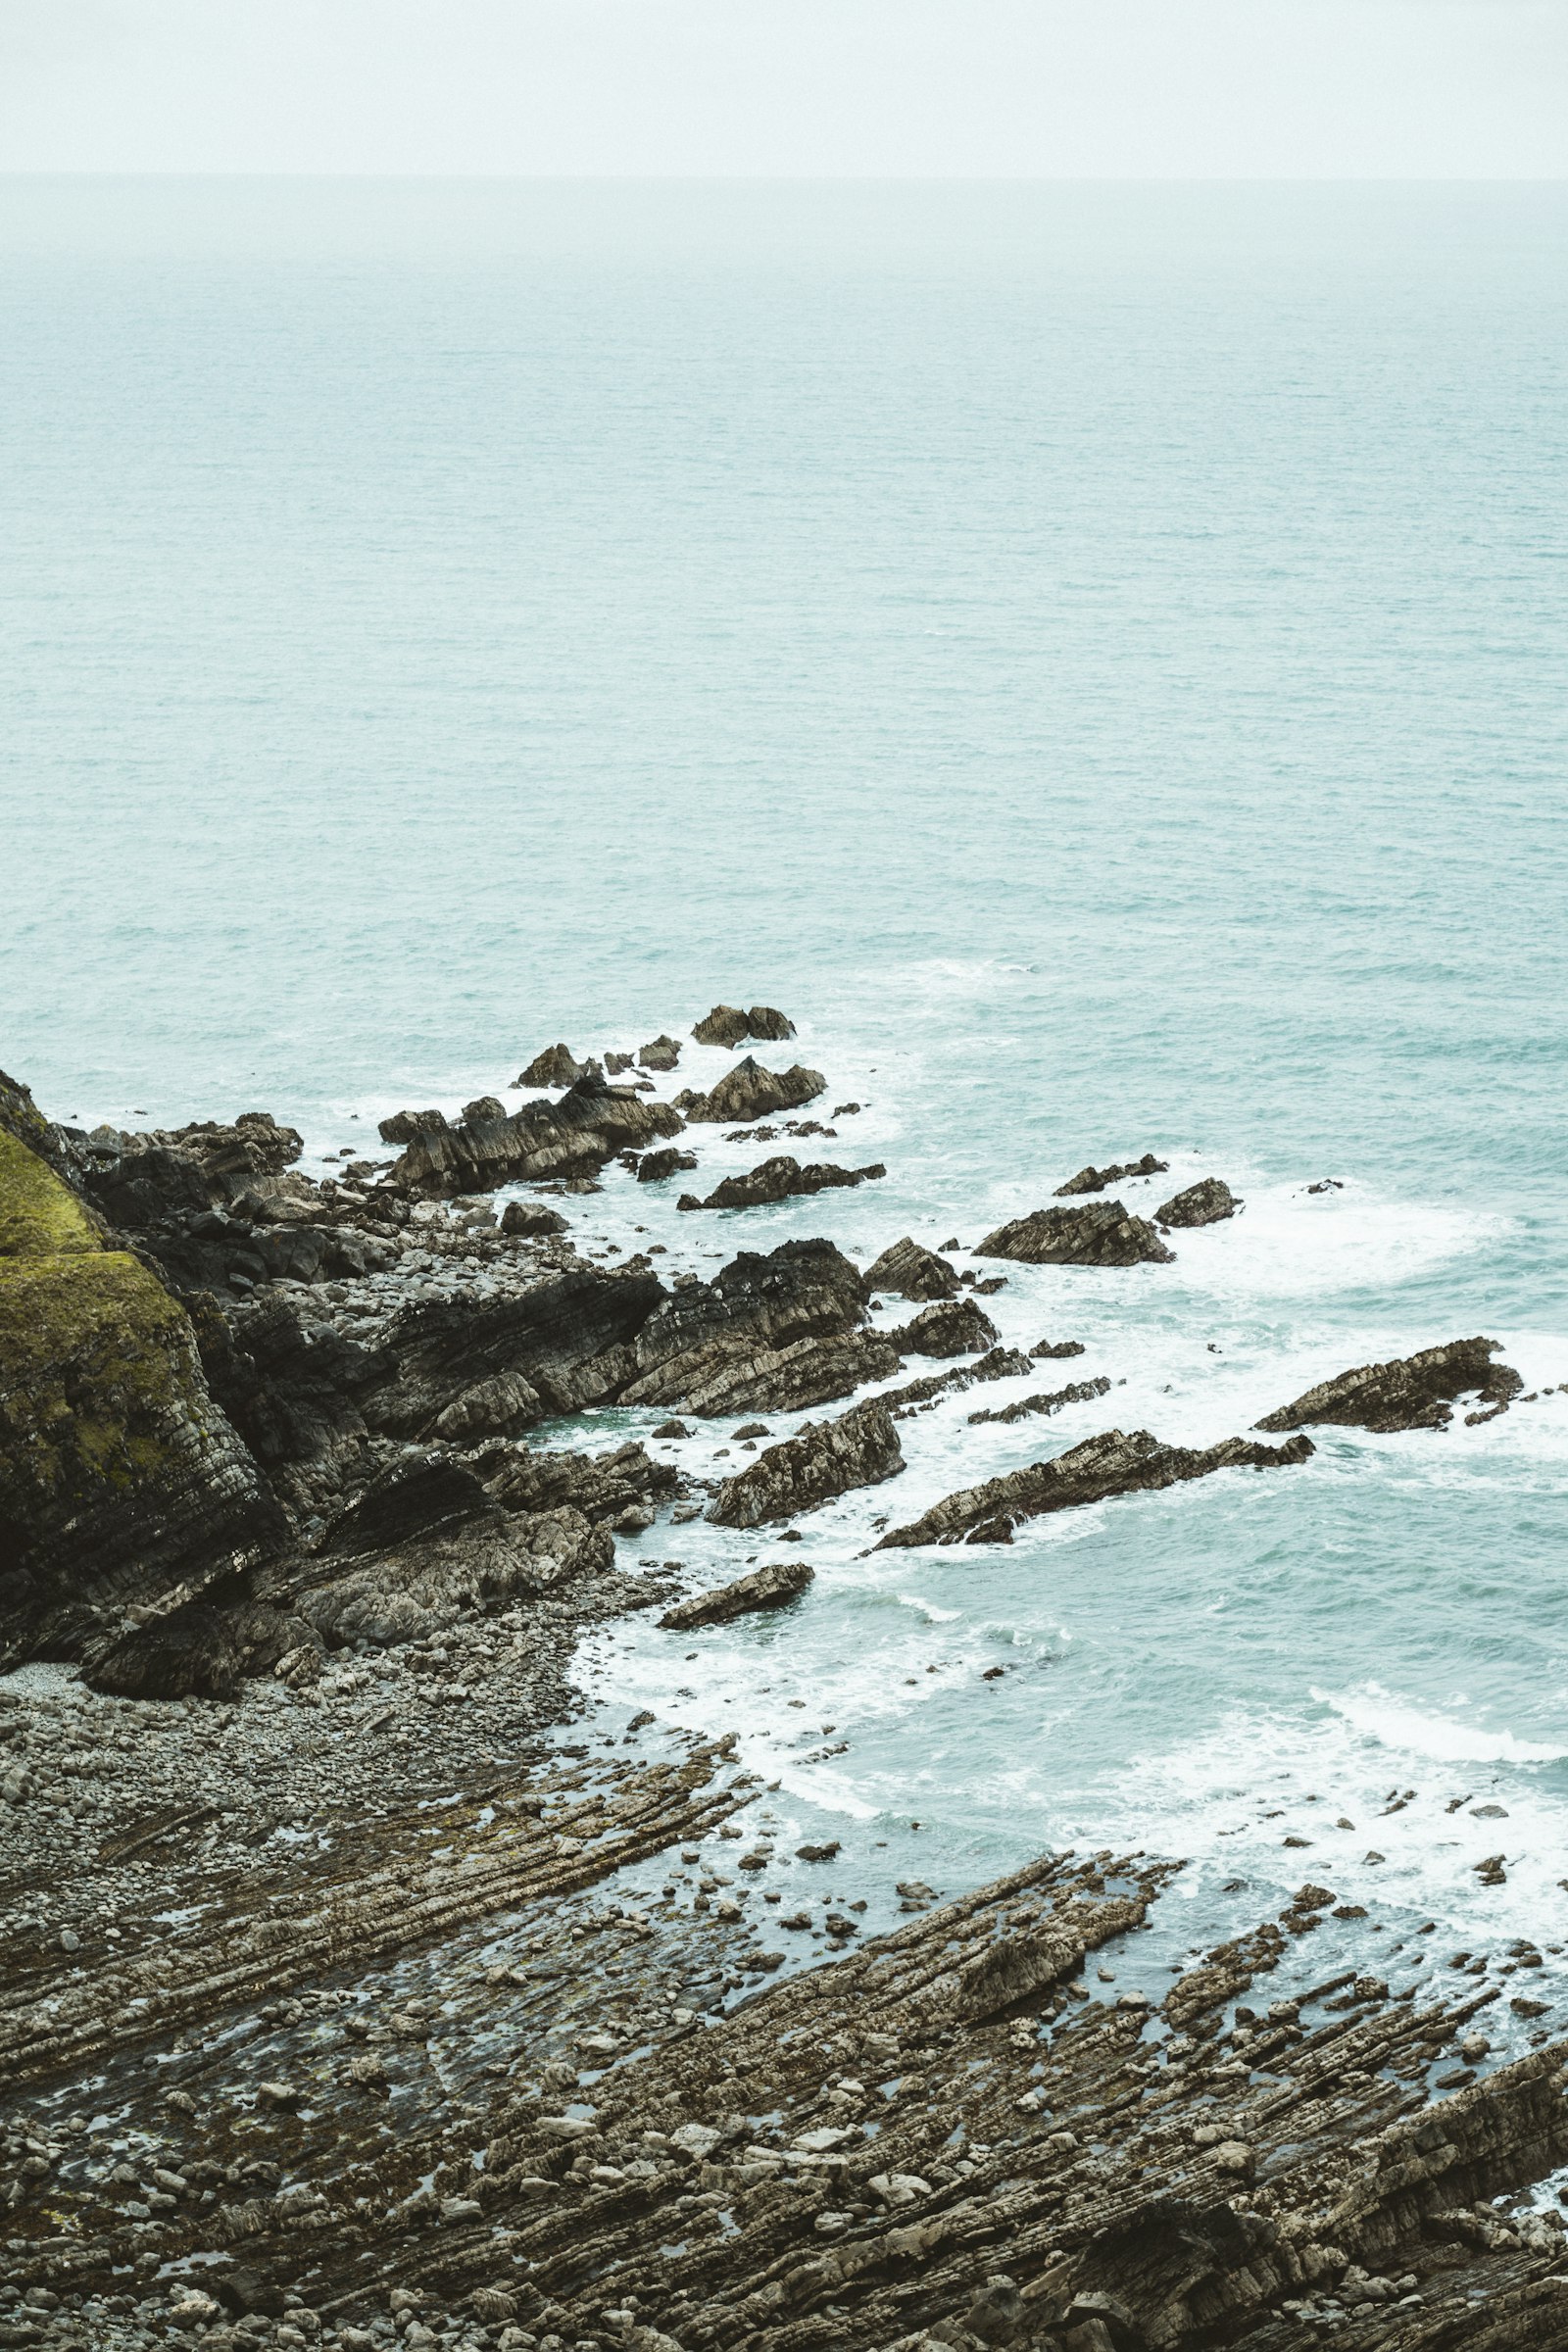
x=1418, y=1732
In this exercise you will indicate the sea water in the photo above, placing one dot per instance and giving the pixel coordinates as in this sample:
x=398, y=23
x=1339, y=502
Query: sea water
x=1096, y=657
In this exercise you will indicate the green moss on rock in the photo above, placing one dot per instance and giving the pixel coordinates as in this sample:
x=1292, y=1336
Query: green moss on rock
x=40, y=1216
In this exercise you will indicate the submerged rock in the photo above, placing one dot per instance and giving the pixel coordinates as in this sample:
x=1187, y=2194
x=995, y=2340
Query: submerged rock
x=767, y=1588
x=1203, y=1203
x=948, y=1327
x=781, y=1179
x=1112, y=1463
x=727, y=1025
x=747, y=1092
x=1099, y=1180
x=910, y=1271
x=1412, y=1391
x=859, y=1449
x=1102, y=1234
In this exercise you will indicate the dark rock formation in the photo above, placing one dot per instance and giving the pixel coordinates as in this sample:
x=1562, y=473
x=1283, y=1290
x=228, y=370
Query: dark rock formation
x=1099, y=1180
x=1103, y=1233
x=910, y=1271
x=747, y=1092
x=1112, y=1463
x=617, y=1065
x=998, y=1363
x=767, y=1588
x=1051, y=1351
x=781, y=1380
x=711, y=1334
x=557, y=1066
x=781, y=1179
x=659, y=1054
x=570, y=1337
x=727, y=1025
x=1203, y=1203
x=404, y=1125
x=618, y=1490
x=948, y=1327
x=1412, y=1391
x=532, y=1218
x=573, y=1137
x=1077, y=1392
x=198, y=1650
x=654, y=1166
x=859, y=1449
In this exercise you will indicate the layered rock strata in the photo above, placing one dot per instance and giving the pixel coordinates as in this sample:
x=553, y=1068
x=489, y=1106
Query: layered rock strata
x=1100, y=1234
x=859, y=1449
x=1412, y=1392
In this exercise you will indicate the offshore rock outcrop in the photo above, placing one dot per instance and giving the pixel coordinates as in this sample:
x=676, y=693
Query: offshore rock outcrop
x=948, y=1327
x=1103, y=1467
x=1412, y=1392
x=661, y=1052
x=709, y=1335
x=557, y=1066
x=575, y=1136
x=727, y=1025
x=1101, y=1180
x=654, y=1166
x=769, y=1588
x=1100, y=1234
x=911, y=1272
x=1023, y=1409
x=1205, y=1203
x=748, y=1092
x=859, y=1449
x=781, y=1179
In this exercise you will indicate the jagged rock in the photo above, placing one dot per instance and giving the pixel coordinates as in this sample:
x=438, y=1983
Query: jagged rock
x=910, y=1271
x=767, y=1588
x=404, y=1125
x=659, y=1054
x=998, y=1363
x=557, y=1066
x=654, y=1166
x=605, y=1488
x=1099, y=1180
x=121, y=1479
x=1412, y=1391
x=747, y=1092
x=616, y=1065
x=484, y=1107
x=753, y=1309
x=949, y=1326
x=727, y=1025
x=1051, y=1351
x=781, y=1179
x=1112, y=1463
x=782, y=1380
x=1203, y=1203
x=200, y=1649
x=489, y=1408
x=1103, y=1233
x=532, y=1219
x=1077, y=1392
x=572, y=1137
x=570, y=1338
x=859, y=1449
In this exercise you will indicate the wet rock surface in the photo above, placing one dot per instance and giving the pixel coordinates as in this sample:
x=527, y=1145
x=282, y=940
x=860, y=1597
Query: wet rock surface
x=910, y=1271
x=781, y=1179
x=748, y=1092
x=948, y=1327
x=1412, y=1391
x=1206, y=1202
x=729, y=1025
x=859, y=1449
x=767, y=1588
x=1100, y=1234
x=1101, y=1180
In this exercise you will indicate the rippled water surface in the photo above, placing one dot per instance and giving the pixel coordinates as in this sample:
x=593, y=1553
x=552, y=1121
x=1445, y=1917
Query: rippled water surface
x=1095, y=657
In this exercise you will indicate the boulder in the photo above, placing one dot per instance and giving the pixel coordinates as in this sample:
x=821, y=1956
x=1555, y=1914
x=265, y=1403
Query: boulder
x=404, y=1125
x=1112, y=1463
x=1100, y=1234
x=1099, y=1180
x=1203, y=1203
x=767, y=1588
x=948, y=1327
x=910, y=1271
x=659, y=1054
x=1412, y=1391
x=781, y=1179
x=575, y=1137
x=859, y=1449
x=727, y=1025
x=557, y=1066
x=532, y=1219
x=654, y=1166
x=617, y=1065
x=747, y=1092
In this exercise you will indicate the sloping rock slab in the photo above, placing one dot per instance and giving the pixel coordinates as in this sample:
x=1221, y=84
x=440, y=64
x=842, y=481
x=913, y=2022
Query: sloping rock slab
x=605, y=1487
x=1077, y=1392
x=570, y=1339
x=575, y=1137
x=755, y=1305
x=1101, y=1180
x=948, y=1327
x=781, y=1179
x=557, y=1066
x=1412, y=1391
x=782, y=1380
x=1100, y=1234
x=859, y=1450
x=727, y=1025
x=911, y=1272
x=1114, y=1464
x=747, y=1092
x=767, y=1588
x=1203, y=1203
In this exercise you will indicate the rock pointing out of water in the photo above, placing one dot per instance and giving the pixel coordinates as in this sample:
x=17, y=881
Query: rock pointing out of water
x=1103, y=1233
x=767, y=1588
x=1099, y=1180
x=910, y=1271
x=557, y=1066
x=1412, y=1391
x=859, y=1450
x=654, y=1166
x=1201, y=1203
x=1114, y=1464
x=575, y=1137
x=727, y=1025
x=781, y=1179
x=747, y=1092
x=659, y=1054
x=948, y=1327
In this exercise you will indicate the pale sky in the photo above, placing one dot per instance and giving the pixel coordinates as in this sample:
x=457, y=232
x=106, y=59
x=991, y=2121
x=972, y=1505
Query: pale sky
x=899, y=89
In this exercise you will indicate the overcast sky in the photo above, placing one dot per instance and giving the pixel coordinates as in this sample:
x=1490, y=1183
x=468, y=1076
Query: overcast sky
x=928, y=88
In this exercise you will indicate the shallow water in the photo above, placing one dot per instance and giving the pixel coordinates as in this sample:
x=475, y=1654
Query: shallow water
x=1096, y=657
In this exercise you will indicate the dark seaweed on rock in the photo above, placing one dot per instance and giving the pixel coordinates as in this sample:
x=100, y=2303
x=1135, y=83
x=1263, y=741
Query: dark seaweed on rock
x=1099, y=1468
x=1099, y=1234
x=1412, y=1391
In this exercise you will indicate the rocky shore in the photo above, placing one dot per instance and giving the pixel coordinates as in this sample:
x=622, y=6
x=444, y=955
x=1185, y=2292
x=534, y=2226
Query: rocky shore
x=363, y=1988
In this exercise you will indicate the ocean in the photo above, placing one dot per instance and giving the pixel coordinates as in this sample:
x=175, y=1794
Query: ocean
x=1096, y=656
